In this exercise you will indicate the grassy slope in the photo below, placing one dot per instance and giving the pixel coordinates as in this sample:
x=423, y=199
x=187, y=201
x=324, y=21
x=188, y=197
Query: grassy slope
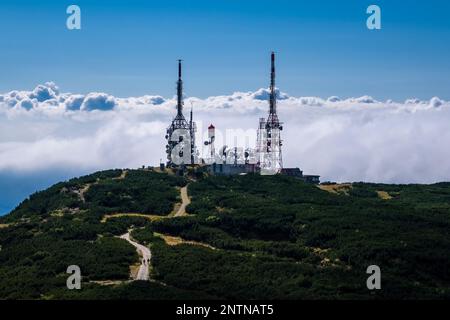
x=275, y=237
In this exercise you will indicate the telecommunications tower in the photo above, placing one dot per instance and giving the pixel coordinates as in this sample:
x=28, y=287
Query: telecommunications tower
x=269, y=133
x=180, y=135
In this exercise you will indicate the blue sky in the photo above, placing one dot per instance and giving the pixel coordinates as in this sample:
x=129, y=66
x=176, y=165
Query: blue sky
x=129, y=48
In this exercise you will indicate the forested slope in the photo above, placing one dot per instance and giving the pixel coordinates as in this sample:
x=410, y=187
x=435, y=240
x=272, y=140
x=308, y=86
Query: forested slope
x=246, y=237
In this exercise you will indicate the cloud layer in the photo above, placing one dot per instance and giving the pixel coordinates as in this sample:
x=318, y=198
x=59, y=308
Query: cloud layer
x=353, y=139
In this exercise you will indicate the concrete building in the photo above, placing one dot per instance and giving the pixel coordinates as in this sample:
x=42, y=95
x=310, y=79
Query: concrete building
x=297, y=173
x=231, y=169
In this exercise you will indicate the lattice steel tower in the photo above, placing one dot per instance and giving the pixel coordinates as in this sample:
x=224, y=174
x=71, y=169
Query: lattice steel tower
x=179, y=129
x=269, y=141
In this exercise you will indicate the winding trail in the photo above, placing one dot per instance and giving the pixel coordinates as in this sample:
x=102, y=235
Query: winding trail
x=180, y=212
x=146, y=255
x=131, y=214
x=82, y=191
x=185, y=201
x=144, y=252
x=122, y=176
x=87, y=186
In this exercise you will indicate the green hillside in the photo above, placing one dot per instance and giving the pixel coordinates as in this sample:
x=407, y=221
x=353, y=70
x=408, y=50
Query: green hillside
x=243, y=237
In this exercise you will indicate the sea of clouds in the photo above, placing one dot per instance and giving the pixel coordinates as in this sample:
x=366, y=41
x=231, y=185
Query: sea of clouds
x=351, y=139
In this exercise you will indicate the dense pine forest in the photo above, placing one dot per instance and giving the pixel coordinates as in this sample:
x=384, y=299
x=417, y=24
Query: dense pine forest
x=243, y=237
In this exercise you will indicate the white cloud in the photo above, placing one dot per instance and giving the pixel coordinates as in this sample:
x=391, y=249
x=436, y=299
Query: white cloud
x=435, y=102
x=45, y=92
x=98, y=101
x=263, y=94
x=354, y=139
x=73, y=102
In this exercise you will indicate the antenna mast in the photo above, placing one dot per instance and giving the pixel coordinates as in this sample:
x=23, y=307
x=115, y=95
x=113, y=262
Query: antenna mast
x=273, y=98
x=269, y=133
x=179, y=92
x=180, y=125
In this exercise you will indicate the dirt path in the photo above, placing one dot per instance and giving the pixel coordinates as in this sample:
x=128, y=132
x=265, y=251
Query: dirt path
x=145, y=254
x=86, y=187
x=122, y=175
x=174, y=241
x=185, y=201
x=181, y=211
x=140, y=215
x=83, y=191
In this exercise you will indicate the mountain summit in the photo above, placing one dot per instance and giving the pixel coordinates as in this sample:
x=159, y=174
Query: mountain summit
x=144, y=234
